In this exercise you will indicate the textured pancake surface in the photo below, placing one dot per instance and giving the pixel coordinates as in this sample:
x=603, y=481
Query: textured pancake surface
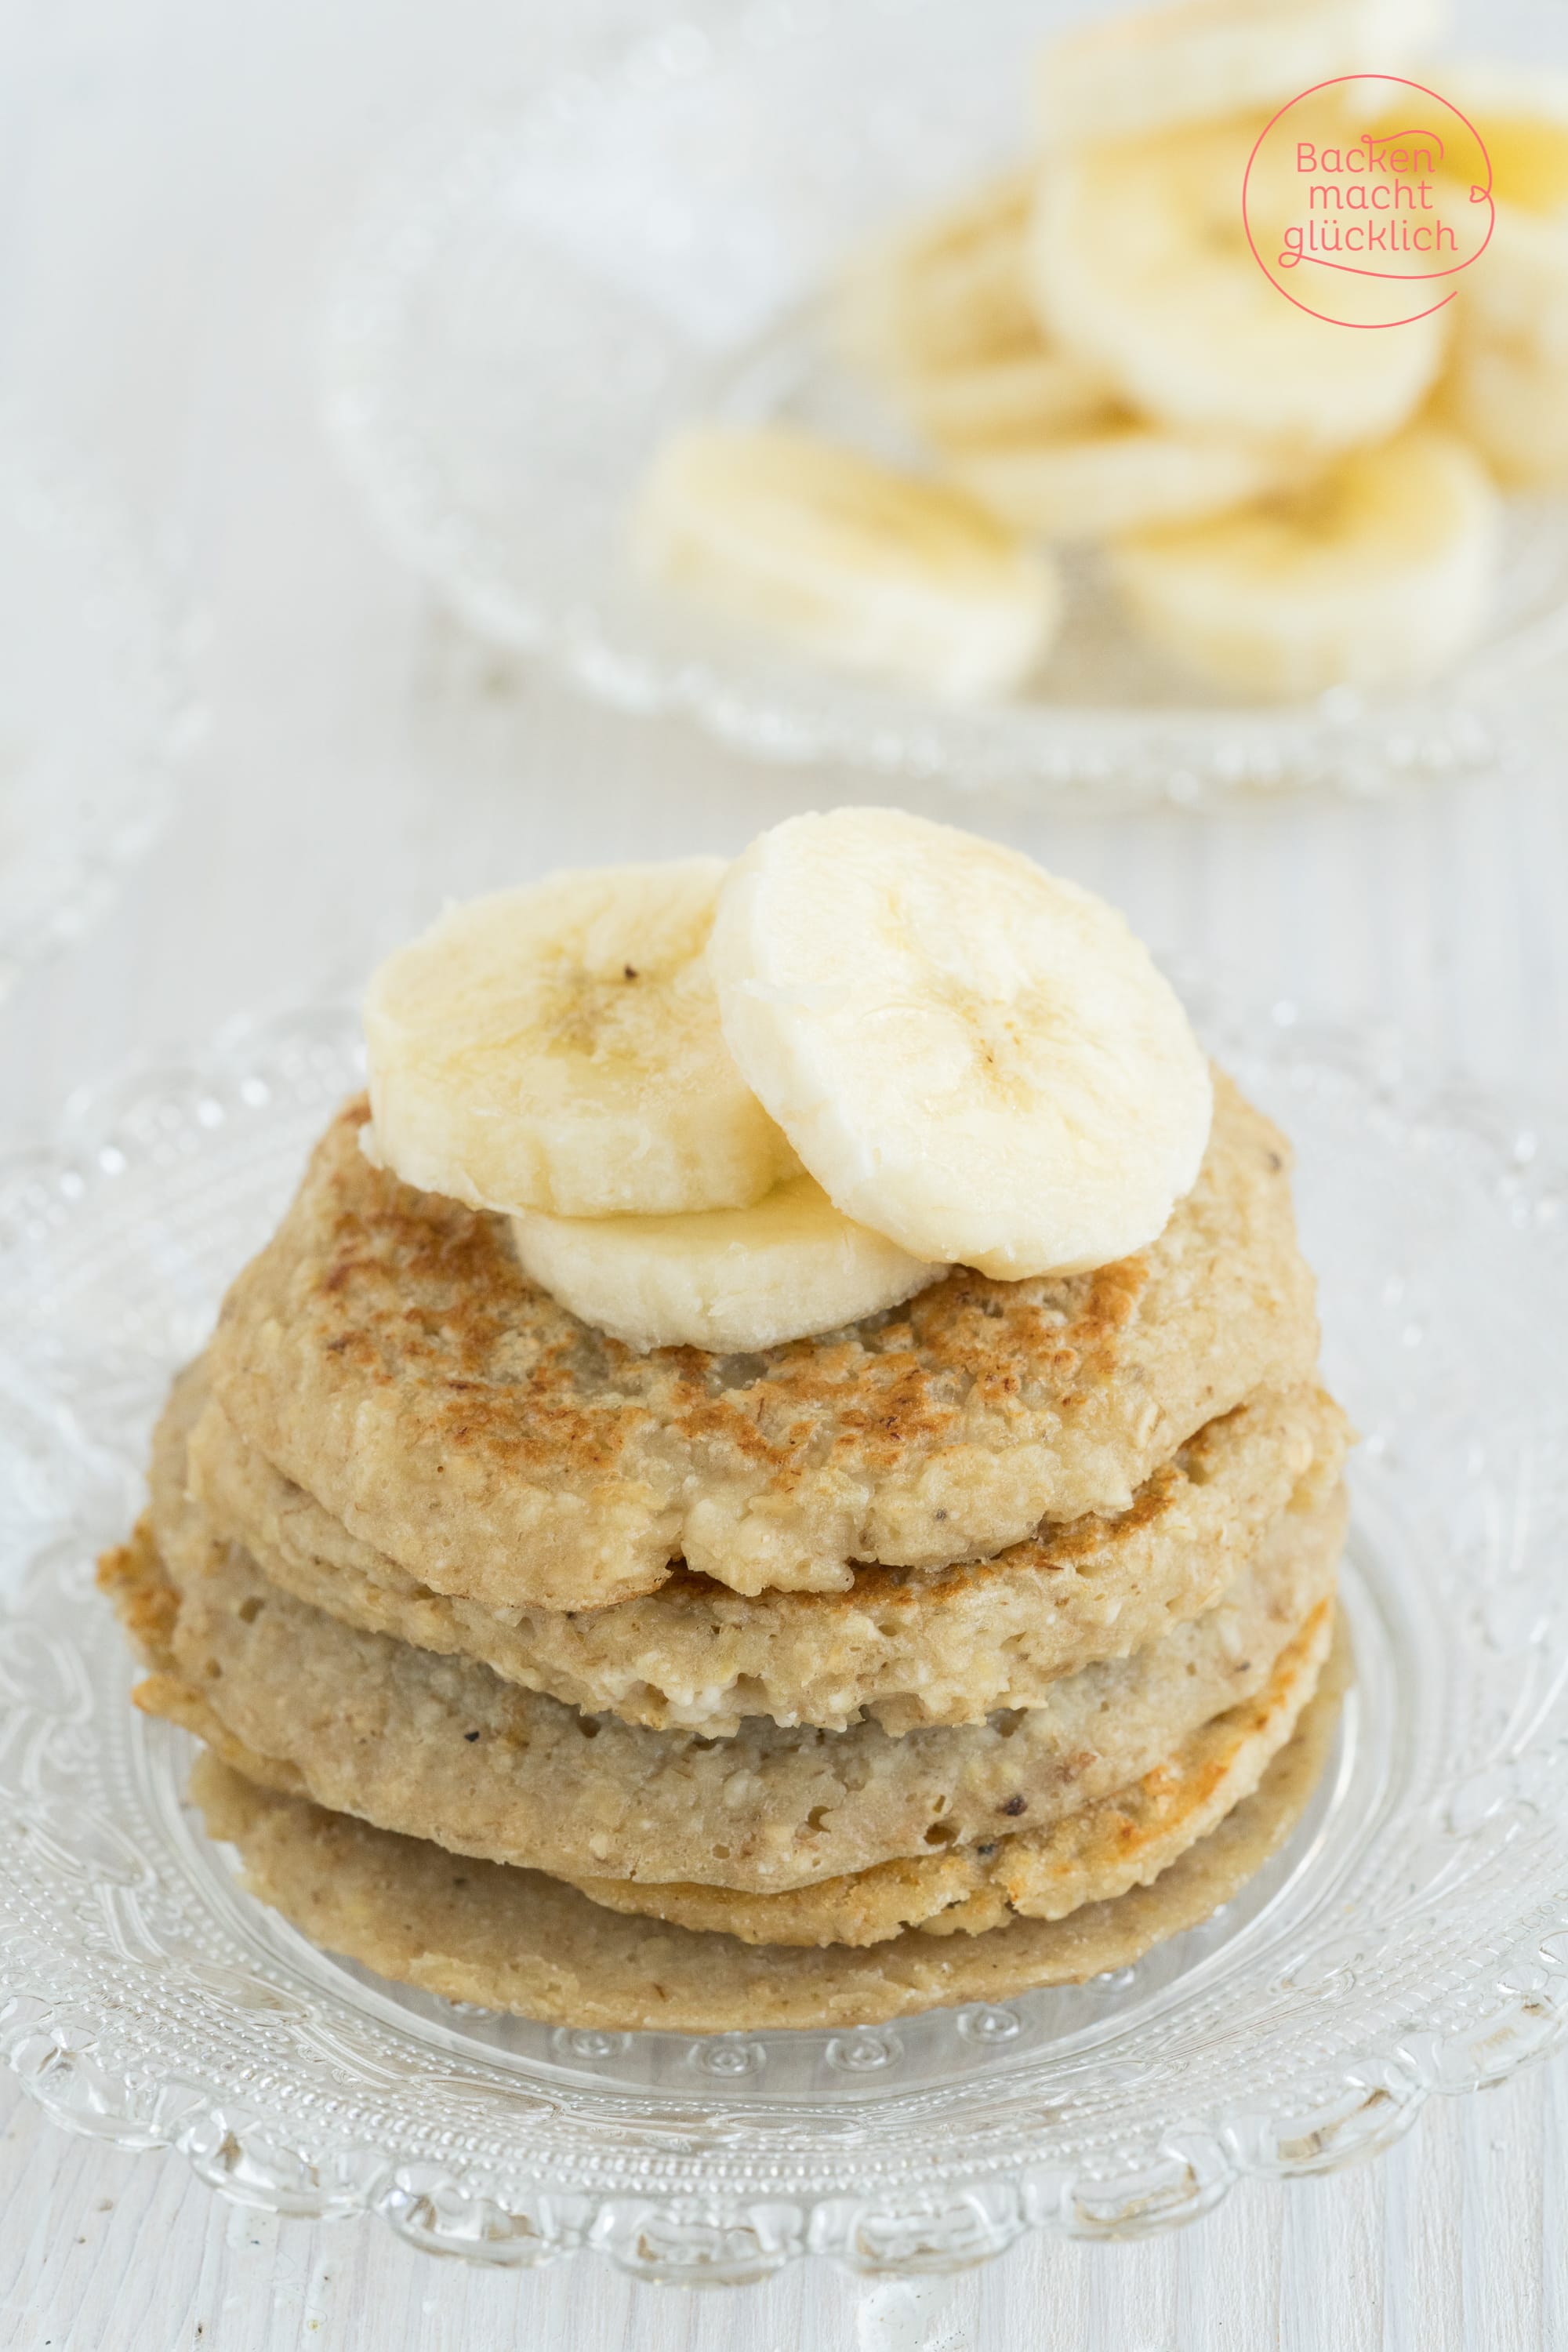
x=1124, y=1840
x=441, y=1748
x=515, y=1940
x=904, y=1647
x=387, y=1355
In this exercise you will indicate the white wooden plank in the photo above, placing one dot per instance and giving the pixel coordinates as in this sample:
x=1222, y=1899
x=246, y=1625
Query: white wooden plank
x=1330, y=2266
x=1503, y=2228
x=1131, y=2297
x=1549, y=2155
x=1423, y=2197
x=1228, y=2273
x=1035, y=2296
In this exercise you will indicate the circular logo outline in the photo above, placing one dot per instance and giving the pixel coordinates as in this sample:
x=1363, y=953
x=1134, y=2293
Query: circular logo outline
x=1375, y=326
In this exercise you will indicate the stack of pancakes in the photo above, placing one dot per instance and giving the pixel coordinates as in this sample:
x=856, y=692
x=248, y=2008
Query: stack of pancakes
x=975, y=1647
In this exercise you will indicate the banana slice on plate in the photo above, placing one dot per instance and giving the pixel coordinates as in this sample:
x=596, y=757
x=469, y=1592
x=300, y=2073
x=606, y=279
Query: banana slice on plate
x=872, y=570
x=1119, y=475
x=1160, y=66
x=1140, y=262
x=971, y=1056
x=731, y=1280
x=948, y=292
x=1516, y=290
x=1511, y=403
x=1507, y=385
x=942, y=319
x=559, y=1048
x=1374, y=576
x=1040, y=391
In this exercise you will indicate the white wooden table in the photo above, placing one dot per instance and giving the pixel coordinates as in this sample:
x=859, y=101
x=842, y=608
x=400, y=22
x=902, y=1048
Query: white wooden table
x=169, y=174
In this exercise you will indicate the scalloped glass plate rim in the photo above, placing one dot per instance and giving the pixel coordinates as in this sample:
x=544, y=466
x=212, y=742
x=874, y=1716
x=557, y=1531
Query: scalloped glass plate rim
x=757, y=699
x=707, y=2174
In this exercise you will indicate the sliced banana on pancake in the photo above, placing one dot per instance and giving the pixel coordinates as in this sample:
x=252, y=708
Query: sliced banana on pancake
x=971, y=1056
x=558, y=1047
x=861, y=566
x=1375, y=575
x=1140, y=262
x=729, y=1280
x=1168, y=64
x=1115, y=475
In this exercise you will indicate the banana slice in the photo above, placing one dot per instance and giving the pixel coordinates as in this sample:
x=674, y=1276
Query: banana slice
x=731, y=1280
x=1119, y=475
x=872, y=570
x=1140, y=262
x=1512, y=404
x=1163, y=67
x=559, y=1048
x=970, y=1056
x=1375, y=576
x=947, y=293
x=1517, y=291
x=1039, y=391
x=1506, y=383
x=942, y=319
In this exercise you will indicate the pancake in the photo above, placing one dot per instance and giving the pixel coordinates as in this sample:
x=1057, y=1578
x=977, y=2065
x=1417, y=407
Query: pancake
x=515, y=1940
x=442, y=1748
x=901, y=1646
x=1090, y=1856
x=386, y=1353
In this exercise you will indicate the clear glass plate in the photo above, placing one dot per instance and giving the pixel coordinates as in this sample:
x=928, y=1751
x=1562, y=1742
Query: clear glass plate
x=540, y=298
x=1413, y=1936
x=93, y=707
